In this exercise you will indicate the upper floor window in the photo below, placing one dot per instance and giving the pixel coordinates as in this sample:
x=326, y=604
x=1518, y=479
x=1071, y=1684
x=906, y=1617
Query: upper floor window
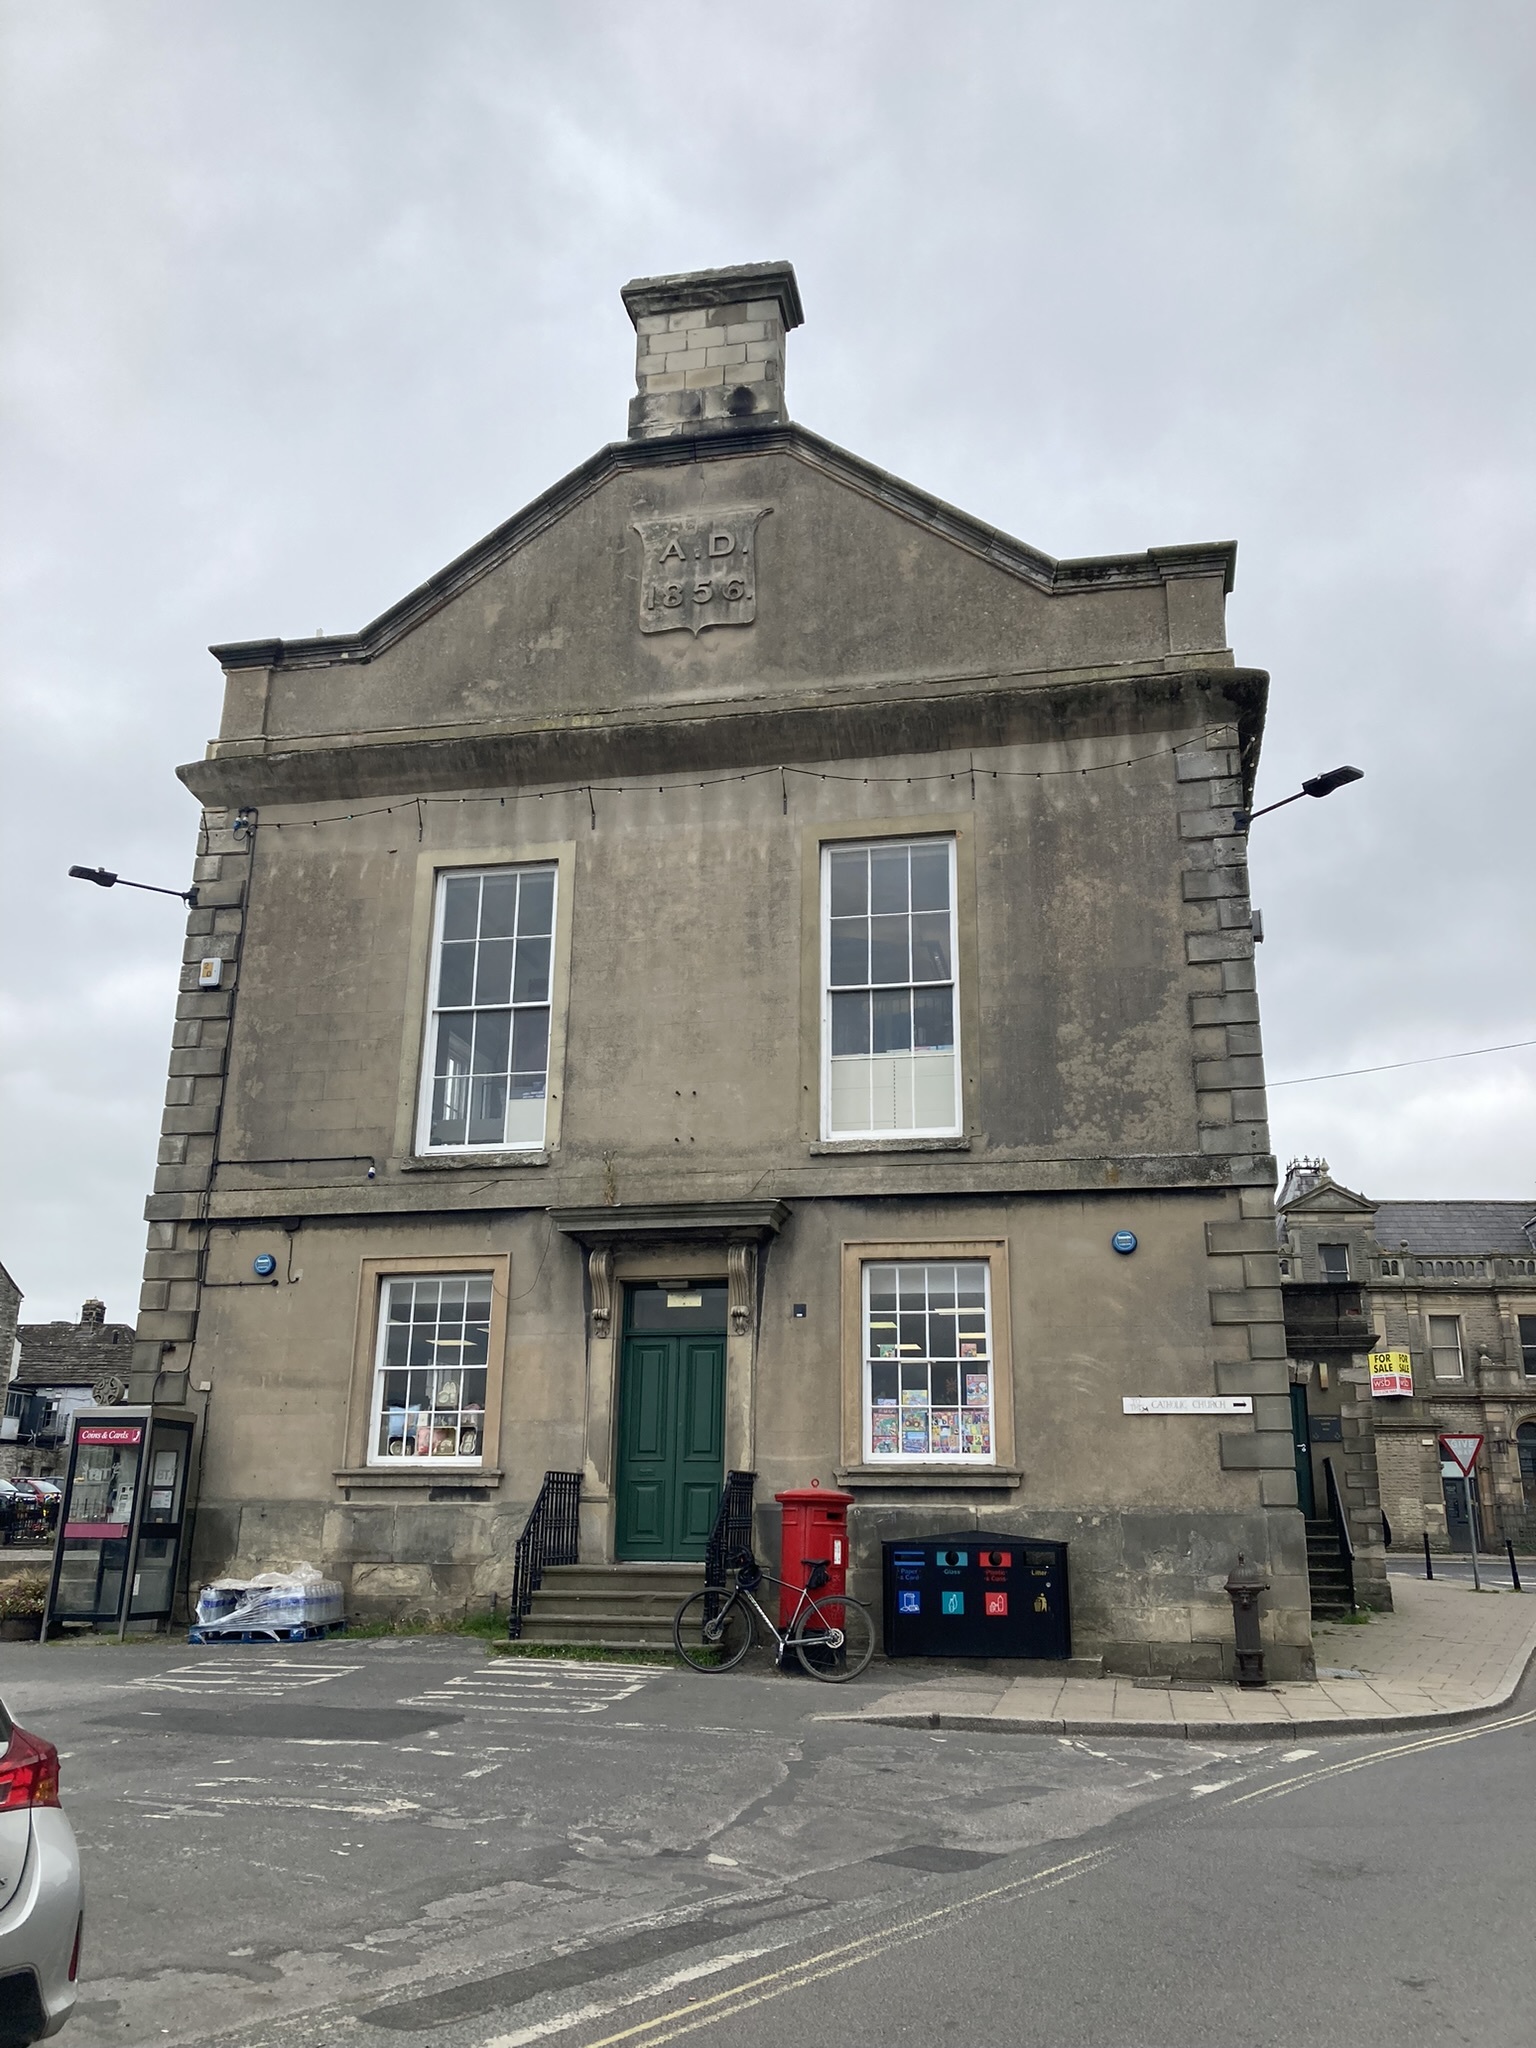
x=890, y=1026
x=1528, y=1344
x=1445, y=1347
x=488, y=1030
x=1333, y=1259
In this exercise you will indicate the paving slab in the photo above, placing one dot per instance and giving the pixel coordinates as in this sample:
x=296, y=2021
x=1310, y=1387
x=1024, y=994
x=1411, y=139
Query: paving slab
x=1446, y=1653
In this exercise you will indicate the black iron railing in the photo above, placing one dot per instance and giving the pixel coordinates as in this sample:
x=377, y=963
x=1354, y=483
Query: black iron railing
x=549, y=1537
x=732, y=1531
x=1340, y=1522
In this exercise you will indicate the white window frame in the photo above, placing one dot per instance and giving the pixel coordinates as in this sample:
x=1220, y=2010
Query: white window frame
x=1333, y=1279
x=1436, y=1350
x=409, y=1461
x=428, y=1074
x=941, y=1460
x=956, y=1126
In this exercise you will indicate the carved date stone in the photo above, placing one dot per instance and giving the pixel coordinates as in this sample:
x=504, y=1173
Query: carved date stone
x=700, y=569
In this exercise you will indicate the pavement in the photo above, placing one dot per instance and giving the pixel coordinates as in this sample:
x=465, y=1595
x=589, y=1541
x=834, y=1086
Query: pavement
x=1445, y=1654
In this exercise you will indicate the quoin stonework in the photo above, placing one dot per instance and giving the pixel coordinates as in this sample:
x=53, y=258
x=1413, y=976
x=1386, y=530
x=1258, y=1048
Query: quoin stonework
x=750, y=968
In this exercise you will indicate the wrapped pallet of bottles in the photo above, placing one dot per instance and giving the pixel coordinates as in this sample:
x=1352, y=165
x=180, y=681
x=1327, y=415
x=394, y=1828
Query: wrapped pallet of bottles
x=289, y=1607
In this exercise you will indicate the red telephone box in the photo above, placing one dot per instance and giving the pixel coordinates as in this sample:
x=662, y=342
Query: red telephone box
x=815, y=1532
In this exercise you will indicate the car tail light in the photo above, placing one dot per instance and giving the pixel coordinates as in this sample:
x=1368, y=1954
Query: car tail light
x=29, y=1772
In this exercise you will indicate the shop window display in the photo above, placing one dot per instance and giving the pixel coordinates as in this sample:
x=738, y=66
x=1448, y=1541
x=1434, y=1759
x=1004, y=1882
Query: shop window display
x=429, y=1387
x=928, y=1362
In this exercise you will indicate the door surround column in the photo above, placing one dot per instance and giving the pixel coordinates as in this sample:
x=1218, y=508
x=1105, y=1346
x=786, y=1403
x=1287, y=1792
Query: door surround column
x=705, y=1241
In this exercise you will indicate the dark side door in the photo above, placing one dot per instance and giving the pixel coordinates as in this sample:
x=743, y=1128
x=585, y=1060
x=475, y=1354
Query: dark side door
x=671, y=1421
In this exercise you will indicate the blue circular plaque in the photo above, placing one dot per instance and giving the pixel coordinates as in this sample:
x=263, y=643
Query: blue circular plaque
x=1124, y=1241
x=264, y=1264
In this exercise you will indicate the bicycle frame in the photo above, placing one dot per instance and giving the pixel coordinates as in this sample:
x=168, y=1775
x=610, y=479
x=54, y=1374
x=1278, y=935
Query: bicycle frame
x=832, y=1637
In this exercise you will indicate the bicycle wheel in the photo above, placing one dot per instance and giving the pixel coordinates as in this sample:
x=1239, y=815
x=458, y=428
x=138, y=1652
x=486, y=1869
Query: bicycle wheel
x=834, y=1638
x=717, y=1644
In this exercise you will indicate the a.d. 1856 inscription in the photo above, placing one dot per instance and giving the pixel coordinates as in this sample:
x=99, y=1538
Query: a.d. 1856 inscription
x=700, y=569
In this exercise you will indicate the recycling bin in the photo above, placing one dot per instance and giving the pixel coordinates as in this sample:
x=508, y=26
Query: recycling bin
x=976, y=1594
x=815, y=1531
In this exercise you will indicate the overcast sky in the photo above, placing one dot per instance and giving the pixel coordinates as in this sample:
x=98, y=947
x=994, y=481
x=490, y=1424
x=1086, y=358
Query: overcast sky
x=302, y=297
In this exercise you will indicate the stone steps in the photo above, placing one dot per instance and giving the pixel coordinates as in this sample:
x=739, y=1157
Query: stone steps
x=1327, y=1575
x=610, y=1606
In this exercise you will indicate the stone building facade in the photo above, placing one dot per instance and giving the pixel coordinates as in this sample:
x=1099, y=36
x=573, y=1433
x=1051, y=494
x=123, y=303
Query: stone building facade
x=1453, y=1284
x=57, y=1366
x=702, y=984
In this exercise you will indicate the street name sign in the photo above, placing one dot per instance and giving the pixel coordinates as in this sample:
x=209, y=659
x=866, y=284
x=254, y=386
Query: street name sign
x=1187, y=1404
x=1462, y=1451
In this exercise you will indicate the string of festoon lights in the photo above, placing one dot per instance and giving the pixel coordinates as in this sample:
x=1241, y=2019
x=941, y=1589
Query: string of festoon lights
x=783, y=771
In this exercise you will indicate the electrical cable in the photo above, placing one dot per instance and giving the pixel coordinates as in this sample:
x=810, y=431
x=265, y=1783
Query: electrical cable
x=1395, y=1066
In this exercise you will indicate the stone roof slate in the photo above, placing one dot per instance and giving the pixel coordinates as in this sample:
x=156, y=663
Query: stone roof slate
x=1457, y=1229
x=72, y=1354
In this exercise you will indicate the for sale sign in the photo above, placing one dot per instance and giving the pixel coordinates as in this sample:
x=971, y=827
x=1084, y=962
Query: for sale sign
x=1391, y=1372
x=1462, y=1452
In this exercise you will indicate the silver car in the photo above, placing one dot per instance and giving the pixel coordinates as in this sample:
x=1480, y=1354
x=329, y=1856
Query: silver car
x=40, y=1891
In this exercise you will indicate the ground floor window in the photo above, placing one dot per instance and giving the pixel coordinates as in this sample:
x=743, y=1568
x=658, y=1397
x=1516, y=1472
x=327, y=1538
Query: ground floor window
x=430, y=1376
x=928, y=1389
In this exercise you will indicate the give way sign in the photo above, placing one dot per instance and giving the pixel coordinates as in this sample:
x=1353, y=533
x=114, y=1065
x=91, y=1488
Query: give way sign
x=1462, y=1451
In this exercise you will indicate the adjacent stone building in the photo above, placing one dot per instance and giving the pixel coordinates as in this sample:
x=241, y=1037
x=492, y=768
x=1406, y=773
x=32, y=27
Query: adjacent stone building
x=57, y=1366
x=1452, y=1284
x=748, y=968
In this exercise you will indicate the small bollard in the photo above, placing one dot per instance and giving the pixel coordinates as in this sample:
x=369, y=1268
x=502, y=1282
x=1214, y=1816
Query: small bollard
x=1429, y=1569
x=1514, y=1569
x=1245, y=1582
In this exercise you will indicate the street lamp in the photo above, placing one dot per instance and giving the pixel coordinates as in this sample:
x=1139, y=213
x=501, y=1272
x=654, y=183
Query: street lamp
x=105, y=879
x=1315, y=785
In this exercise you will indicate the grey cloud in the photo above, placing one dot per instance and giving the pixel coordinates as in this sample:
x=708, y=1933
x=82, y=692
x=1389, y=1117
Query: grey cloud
x=305, y=299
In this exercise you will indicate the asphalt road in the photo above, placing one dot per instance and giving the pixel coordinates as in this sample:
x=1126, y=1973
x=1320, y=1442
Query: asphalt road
x=397, y=1843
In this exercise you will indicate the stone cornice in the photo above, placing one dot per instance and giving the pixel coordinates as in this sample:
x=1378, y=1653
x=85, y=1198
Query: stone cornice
x=728, y=287
x=841, y=724
x=1004, y=552
x=655, y=1222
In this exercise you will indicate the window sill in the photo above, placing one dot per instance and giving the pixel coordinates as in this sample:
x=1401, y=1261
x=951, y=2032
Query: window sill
x=365, y=1478
x=449, y=1162
x=823, y=1146
x=934, y=1478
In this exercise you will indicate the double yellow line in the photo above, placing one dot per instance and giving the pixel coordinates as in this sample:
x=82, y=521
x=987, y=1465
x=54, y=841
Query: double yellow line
x=1279, y=1789
x=726, y=2005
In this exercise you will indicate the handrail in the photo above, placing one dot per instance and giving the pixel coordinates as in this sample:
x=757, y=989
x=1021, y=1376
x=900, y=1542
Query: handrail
x=732, y=1529
x=1341, y=1524
x=550, y=1536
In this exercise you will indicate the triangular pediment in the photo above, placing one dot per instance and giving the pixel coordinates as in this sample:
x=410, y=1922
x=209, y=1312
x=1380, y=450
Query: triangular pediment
x=1328, y=1198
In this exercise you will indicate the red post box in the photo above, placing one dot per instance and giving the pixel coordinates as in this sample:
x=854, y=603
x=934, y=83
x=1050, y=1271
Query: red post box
x=815, y=1532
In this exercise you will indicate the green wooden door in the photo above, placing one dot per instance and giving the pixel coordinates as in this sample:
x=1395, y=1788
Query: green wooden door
x=1301, y=1436
x=671, y=1442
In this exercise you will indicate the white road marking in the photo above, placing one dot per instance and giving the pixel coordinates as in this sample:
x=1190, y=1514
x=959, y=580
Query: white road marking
x=380, y=1809
x=251, y=1676
x=546, y=1688
x=1221, y=1785
x=525, y=2036
x=1294, y=1756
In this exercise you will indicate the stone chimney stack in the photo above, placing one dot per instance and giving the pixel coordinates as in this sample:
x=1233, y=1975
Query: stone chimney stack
x=709, y=349
x=92, y=1311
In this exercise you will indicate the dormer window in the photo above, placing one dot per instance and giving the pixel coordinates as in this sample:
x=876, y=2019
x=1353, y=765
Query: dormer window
x=1333, y=1262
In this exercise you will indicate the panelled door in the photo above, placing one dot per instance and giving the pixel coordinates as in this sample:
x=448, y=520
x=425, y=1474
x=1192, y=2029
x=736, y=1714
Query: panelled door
x=1301, y=1435
x=671, y=1421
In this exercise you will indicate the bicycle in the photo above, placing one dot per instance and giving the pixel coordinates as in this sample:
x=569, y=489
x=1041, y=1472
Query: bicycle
x=834, y=1640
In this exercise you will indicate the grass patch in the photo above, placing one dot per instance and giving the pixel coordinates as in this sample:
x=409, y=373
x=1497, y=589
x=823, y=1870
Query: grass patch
x=582, y=1653
x=488, y=1626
